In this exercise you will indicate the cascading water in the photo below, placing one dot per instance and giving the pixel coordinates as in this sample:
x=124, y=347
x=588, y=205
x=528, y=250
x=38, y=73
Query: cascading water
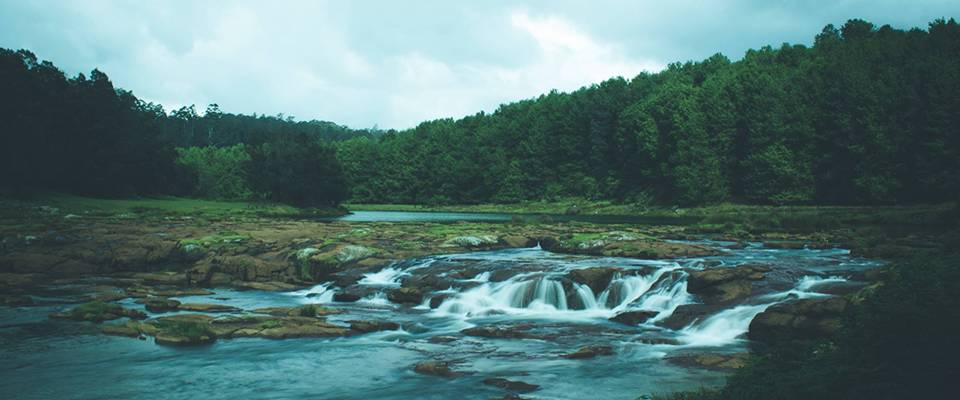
x=386, y=277
x=545, y=295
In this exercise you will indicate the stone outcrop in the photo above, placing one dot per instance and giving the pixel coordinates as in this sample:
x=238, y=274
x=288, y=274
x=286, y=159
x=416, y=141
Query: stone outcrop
x=725, y=284
x=799, y=319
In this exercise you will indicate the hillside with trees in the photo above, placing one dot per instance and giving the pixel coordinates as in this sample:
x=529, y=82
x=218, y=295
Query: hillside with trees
x=866, y=115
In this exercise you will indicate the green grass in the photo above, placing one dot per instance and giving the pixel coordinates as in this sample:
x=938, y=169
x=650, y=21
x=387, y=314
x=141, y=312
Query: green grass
x=188, y=329
x=95, y=308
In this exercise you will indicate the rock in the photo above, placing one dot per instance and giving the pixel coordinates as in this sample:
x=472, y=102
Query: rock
x=207, y=307
x=597, y=278
x=442, y=339
x=346, y=297
x=438, y=299
x=352, y=253
x=518, y=241
x=784, y=245
x=275, y=327
x=309, y=310
x=712, y=361
x=499, y=332
x=405, y=295
x=127, y=330
x=266, y=286
x=799, y=320
x=725, y=284
x=687, y=314
x=590, y=352
x=159, y=304
x=436, y=368
x=472, y=241
x=633, y=318
x=373, y=326
x=513, y=386
x=98, y=311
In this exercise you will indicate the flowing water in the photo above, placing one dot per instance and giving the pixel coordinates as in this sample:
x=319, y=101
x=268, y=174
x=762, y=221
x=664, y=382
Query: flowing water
x=527, y=289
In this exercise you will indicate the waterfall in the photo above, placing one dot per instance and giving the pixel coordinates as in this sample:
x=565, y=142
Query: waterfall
x=539, y=295
x=321, y=293
x=386, y=277
x=722, y=328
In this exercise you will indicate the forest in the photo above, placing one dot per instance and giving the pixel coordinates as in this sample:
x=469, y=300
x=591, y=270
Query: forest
x=866, y=115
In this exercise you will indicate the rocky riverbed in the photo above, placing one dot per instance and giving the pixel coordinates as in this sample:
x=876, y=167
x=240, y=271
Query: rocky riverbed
x=406, y=309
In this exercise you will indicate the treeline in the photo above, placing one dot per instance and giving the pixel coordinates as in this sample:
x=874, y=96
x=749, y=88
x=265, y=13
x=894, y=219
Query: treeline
x=866, y=115
x=82, y=135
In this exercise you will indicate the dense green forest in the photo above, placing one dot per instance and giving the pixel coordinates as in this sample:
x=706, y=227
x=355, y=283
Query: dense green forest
x=866, y=115
x=82, y=135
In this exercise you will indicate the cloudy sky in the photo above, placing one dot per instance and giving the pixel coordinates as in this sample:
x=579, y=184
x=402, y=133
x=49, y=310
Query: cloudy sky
x=394, y=64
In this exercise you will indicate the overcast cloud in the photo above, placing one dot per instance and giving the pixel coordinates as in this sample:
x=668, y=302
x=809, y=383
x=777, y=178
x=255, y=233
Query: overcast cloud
x=394, y=64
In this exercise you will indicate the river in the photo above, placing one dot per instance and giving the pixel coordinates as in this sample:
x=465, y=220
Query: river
x=519, y=288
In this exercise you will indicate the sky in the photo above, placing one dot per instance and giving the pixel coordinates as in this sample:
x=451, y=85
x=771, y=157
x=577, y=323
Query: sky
x=393, y=64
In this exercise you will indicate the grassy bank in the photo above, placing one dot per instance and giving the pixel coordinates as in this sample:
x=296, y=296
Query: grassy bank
x=157, y=207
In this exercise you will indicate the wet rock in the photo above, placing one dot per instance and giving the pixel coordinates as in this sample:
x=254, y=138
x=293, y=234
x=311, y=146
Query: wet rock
x=442, y=339
x=373, y=326
x=513, y=386
x=472, y=241
x=719, y=362
x=799, y=319
x=784, y=245
x=159, y=304
x=438, y=299
x=162, y=278
x=658, y=341
x=266, y=286
x=633, y=318
x=500, y=332
x=519, y=241
x=725, y=284
x=275, y=327
x=126, y=330
x=346, y=297
x=597, y=278
x=436, y=368
x=589, y=352
x=309, y=310
x=98, y=311
x=207, y=307
x=405, y=295
x=687, y=314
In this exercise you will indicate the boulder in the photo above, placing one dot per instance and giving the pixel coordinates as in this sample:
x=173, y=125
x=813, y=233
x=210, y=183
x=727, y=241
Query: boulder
x=590, y=352
x=207, y=307
x=499, y=332
x=159, y=304
x=405, y=295
x=346, y=297
x=799, y=320
x=725, y=284
x=373, y=326
x=719, y=362
x=518, y=241
x=597, y=278
x=98, y=311
x=633, y=318
x=513, y=386
x=436, y=368
x=687, y=314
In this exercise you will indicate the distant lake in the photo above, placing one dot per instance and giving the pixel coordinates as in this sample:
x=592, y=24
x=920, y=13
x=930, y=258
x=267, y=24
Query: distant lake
x=427, y=216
